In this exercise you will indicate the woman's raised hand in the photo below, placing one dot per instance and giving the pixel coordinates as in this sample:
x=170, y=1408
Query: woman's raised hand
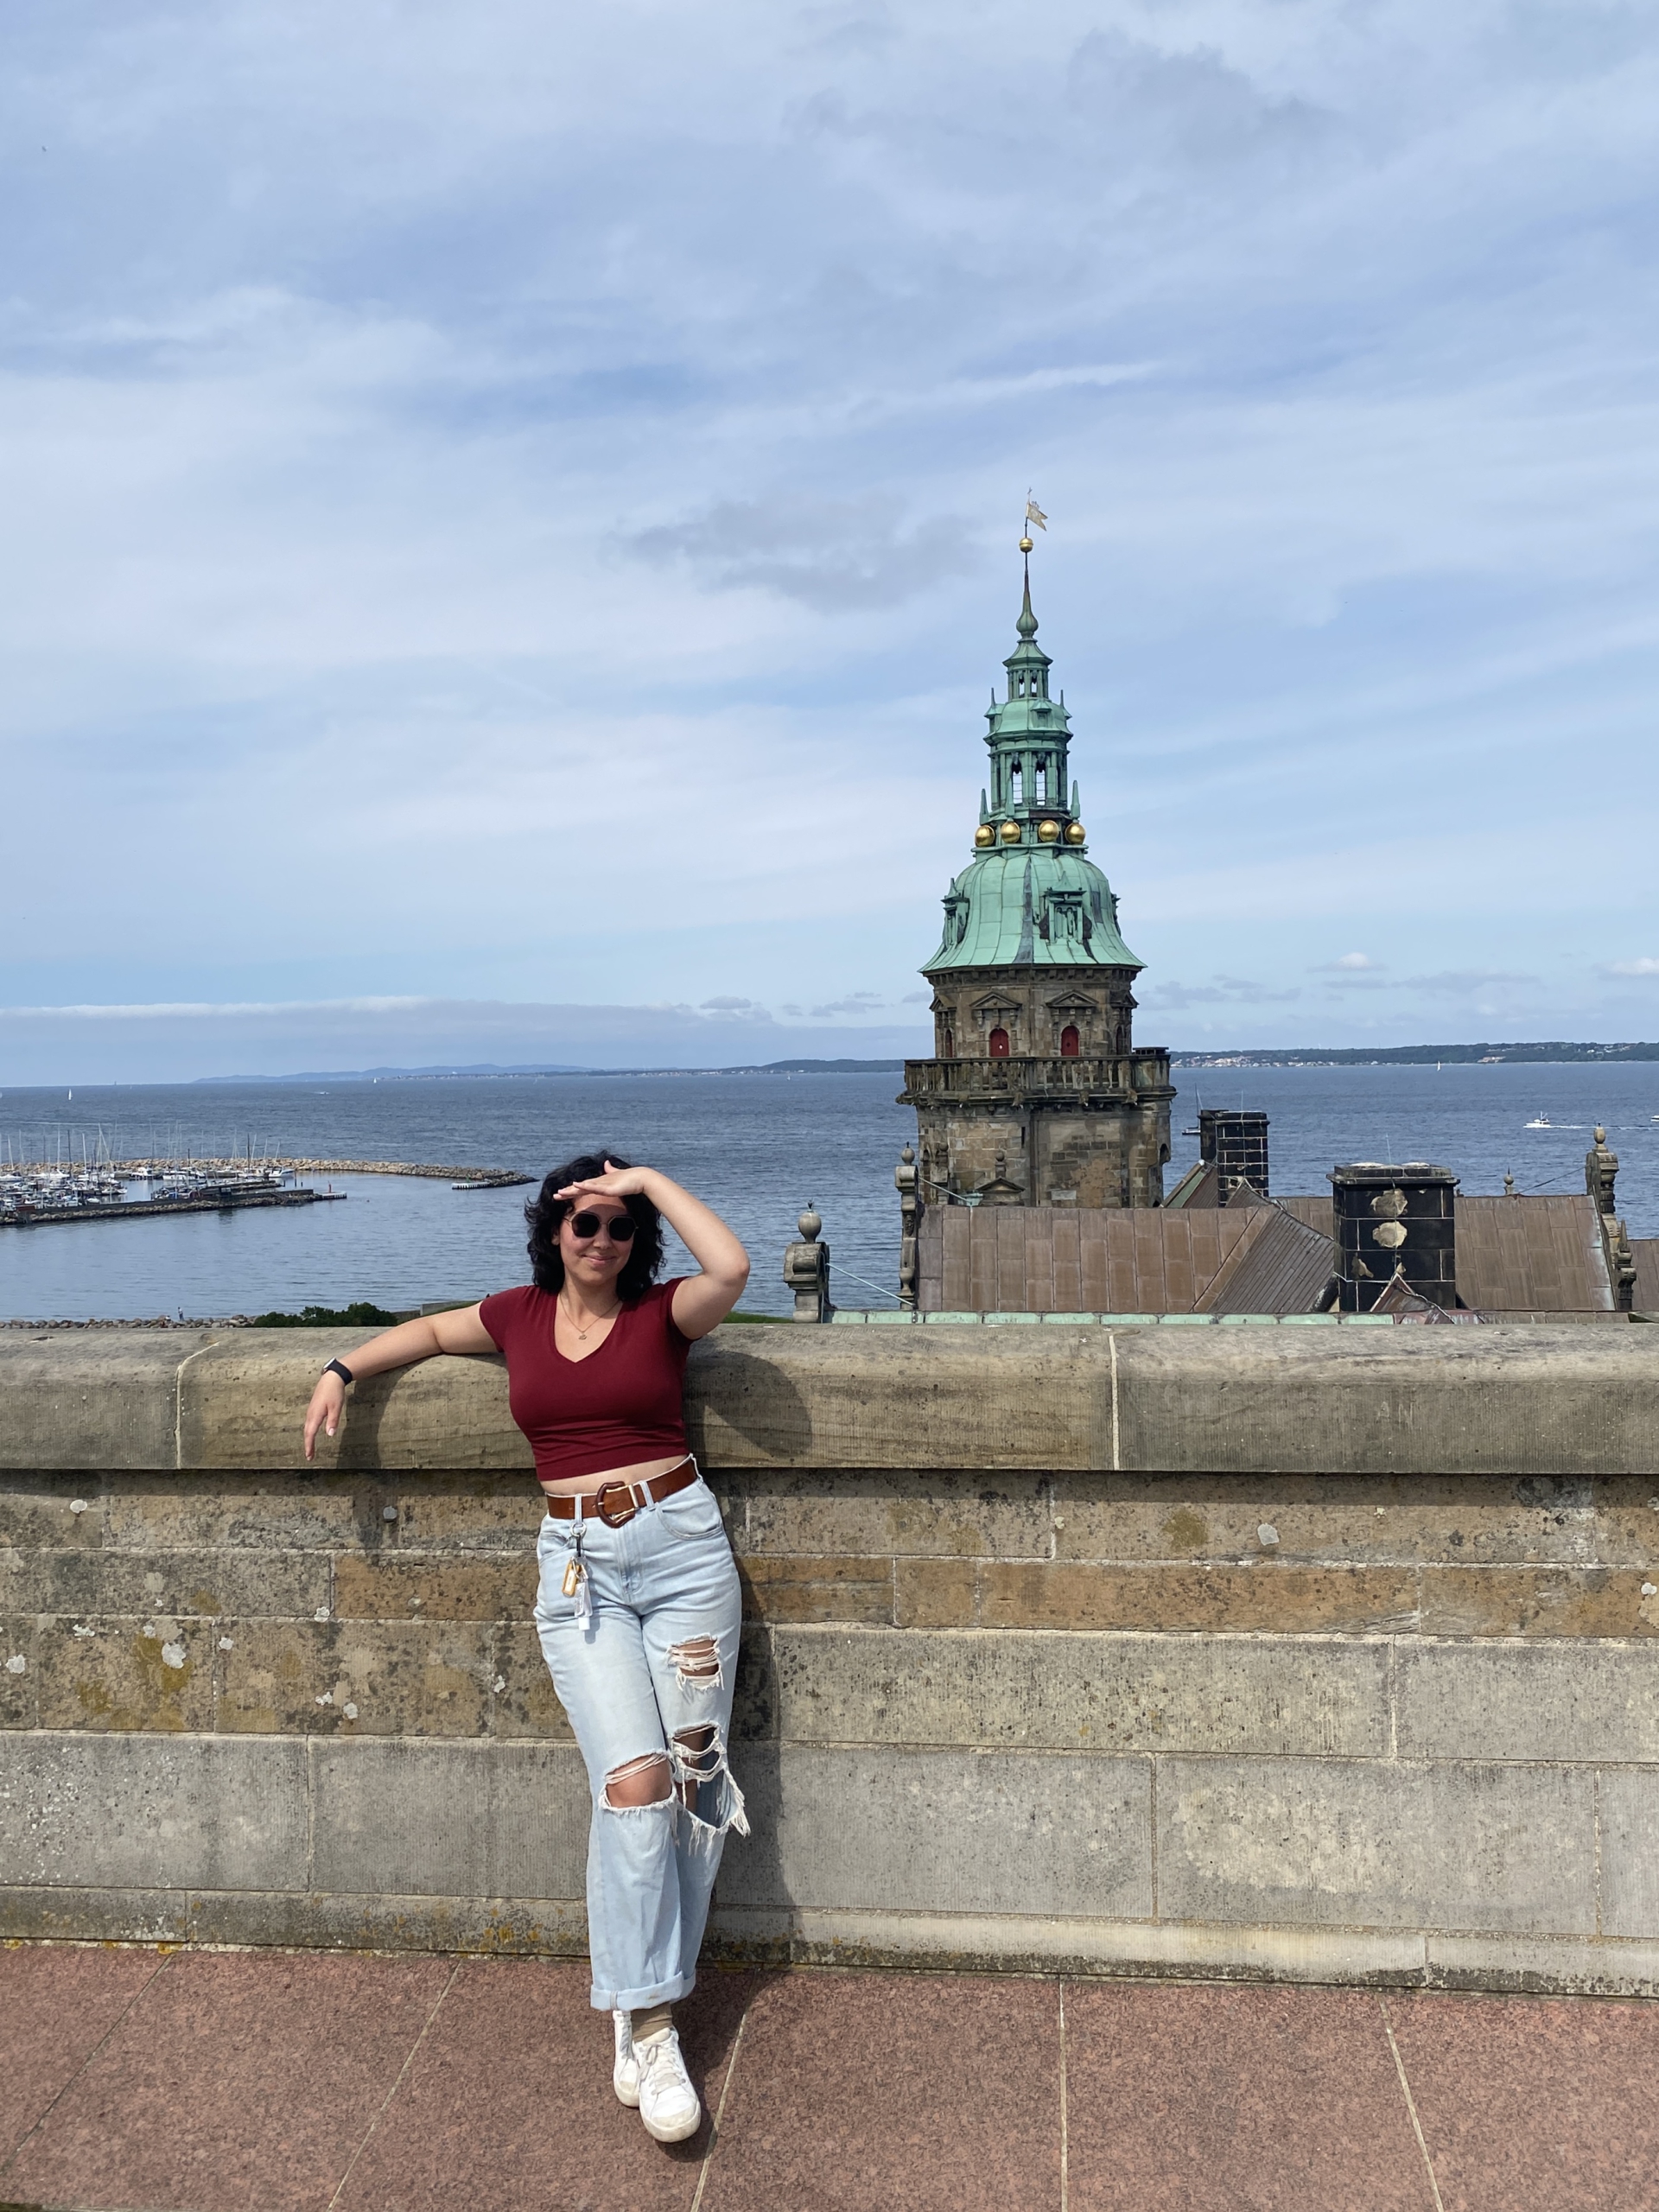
x=615, y=1182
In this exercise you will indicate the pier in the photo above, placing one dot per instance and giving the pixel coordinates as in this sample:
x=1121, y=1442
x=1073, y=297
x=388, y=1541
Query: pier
x=223, y=1201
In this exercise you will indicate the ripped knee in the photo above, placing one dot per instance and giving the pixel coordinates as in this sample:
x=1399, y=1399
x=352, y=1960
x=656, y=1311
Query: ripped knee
x=700, y=1762
x=648, y=1780
x=696, y=1661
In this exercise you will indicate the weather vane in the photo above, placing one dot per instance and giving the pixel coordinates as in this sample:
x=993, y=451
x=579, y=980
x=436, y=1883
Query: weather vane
x=1033, y=514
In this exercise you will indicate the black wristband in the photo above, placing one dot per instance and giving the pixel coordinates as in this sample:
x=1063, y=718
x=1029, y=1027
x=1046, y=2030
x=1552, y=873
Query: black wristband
x=339, y=1367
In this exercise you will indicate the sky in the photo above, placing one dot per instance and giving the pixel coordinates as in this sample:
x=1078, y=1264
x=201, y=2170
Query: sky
x=512, y=517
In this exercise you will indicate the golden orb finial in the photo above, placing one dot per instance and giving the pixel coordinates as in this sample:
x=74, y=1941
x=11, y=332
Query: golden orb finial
x=985, y=835
x=1024, y=545
x=1010, y=833
x=1075, y=833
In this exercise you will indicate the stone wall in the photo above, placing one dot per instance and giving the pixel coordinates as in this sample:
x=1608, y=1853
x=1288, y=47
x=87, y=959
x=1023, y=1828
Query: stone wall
x=1320, y=1655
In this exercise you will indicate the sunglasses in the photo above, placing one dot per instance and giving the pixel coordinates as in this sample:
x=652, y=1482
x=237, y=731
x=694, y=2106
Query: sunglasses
x=620, y=1226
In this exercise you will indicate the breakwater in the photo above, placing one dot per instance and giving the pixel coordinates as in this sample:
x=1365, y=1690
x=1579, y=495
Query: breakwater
x=144, y=1208
x=479, y=1178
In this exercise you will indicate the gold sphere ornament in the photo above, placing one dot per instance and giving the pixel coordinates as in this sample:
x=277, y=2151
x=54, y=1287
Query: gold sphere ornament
x=1075, y=833
x=1010, y=833
x=1049, y=832
x=1024, y=545
x=985, y=835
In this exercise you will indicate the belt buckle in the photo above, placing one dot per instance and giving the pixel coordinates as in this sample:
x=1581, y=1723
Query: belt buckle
x=615, y=1519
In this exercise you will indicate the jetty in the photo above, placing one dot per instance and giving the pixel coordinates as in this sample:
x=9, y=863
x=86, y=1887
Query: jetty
x=26, y=1216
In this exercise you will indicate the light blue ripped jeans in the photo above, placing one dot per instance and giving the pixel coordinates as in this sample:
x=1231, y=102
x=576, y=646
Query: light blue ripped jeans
x=648, y=1672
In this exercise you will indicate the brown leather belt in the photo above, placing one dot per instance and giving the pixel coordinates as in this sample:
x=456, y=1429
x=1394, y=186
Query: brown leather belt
x=616, y=1504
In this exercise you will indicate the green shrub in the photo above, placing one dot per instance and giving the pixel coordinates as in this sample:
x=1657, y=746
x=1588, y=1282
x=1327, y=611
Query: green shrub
x=358, y=1315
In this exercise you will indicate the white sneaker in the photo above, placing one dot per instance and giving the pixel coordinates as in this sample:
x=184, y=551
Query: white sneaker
x=668, y=2103
x=625, y=2074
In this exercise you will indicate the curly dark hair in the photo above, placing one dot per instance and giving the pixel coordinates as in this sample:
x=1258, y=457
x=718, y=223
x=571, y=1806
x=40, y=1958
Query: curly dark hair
x=547, y=1210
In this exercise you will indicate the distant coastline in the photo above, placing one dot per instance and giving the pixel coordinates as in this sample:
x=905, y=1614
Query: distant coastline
x=486, y=1071
x=1416, y=1056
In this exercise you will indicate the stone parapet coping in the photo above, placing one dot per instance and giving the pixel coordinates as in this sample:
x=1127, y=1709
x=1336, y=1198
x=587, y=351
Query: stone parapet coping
x=1554, y=1401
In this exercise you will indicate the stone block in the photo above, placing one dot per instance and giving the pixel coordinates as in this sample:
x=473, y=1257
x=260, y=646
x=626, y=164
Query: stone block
x=150, y=1673
x=470, y=1512
x=1270, y=1596
x=20, y=1673
x=1581, y=1701
x=277, y=1513
x=409, y=1678
x=935, y=1592
x=241, y=1404
x=526, y=1703
x=405, y=1586
x=933, y=1397
x=1066, y=1691
x=1597, y=1601
x=1544, y=1400
x=450, y=1820
x=88, y=1402
x=54, y=1509
x=820, y=1588
x=1628, y=1806
x=945, y=1832
x=195, y=1583
x=152, y=1812
x=964, y=1516
x=1362, y=1520
x=1314, y=1842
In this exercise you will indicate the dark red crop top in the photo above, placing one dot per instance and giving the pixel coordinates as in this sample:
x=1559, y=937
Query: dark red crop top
x=621, y=1404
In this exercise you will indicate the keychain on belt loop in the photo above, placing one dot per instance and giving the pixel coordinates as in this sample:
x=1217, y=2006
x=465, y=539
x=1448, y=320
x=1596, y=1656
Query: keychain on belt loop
x=576, y=1583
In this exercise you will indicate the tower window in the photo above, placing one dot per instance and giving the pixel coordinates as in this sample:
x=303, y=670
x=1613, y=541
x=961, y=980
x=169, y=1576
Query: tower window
x=1069, y=1041
x=950, y=1044
x=1042, y=781
x=1015, y=784
x=999, y=1043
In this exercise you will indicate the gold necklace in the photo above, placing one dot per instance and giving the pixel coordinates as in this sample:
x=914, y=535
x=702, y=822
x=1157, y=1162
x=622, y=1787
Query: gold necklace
x=583, y=1335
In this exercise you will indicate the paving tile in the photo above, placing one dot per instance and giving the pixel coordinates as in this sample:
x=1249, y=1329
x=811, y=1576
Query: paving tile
x=1206, y=2100
x=1536, y=2103
x=236, y=2083
x=935, y=2092
x=509, y=2106
x=55, y=2006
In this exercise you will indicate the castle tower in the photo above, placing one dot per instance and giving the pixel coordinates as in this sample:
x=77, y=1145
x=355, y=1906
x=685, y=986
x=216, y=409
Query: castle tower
x=1037, y=1095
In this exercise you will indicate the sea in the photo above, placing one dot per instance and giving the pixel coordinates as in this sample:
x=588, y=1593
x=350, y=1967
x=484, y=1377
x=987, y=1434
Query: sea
x=757, y=1148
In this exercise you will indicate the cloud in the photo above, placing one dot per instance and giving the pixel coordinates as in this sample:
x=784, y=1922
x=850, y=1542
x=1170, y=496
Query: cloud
x=730, y=1005
x=832, y=555
x=1350, y=962
x=1644, y=966
x=1466, y=982
x=854, y=1002
x=1223, y=990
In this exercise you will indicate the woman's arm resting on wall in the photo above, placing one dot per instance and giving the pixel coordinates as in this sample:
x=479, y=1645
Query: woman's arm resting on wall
x=700, y=1302
x=409, y=1342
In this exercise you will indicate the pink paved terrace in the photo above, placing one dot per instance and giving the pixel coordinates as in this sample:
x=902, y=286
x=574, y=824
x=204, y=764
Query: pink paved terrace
x=135, y=2081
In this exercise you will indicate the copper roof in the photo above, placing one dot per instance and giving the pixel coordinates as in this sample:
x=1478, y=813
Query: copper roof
x=1133, y=1260
x=1531, y=1256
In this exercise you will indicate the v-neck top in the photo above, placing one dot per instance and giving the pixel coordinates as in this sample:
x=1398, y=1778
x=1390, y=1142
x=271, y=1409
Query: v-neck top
x=618, y=1404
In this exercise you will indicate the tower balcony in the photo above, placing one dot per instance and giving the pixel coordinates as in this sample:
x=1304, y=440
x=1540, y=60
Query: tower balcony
x=1123, y=1079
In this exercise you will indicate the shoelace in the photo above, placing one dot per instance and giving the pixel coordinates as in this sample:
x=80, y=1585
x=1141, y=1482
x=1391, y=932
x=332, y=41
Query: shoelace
x=666, y=2055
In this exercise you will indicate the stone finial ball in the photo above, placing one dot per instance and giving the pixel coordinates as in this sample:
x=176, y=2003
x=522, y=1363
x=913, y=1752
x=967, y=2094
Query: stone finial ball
x=1010, y=833
x=1048, y=831
x=1075, y=833
x=985, y=835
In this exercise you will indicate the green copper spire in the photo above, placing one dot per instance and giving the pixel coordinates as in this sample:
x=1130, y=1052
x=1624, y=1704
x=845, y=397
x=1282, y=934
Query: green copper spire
x=1030, y=894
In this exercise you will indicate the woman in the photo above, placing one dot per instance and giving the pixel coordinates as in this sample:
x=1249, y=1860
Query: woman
x=638, y=1608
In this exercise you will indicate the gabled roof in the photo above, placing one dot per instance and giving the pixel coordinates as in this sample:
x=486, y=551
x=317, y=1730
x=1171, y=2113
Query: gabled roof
x=1532, y=1255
